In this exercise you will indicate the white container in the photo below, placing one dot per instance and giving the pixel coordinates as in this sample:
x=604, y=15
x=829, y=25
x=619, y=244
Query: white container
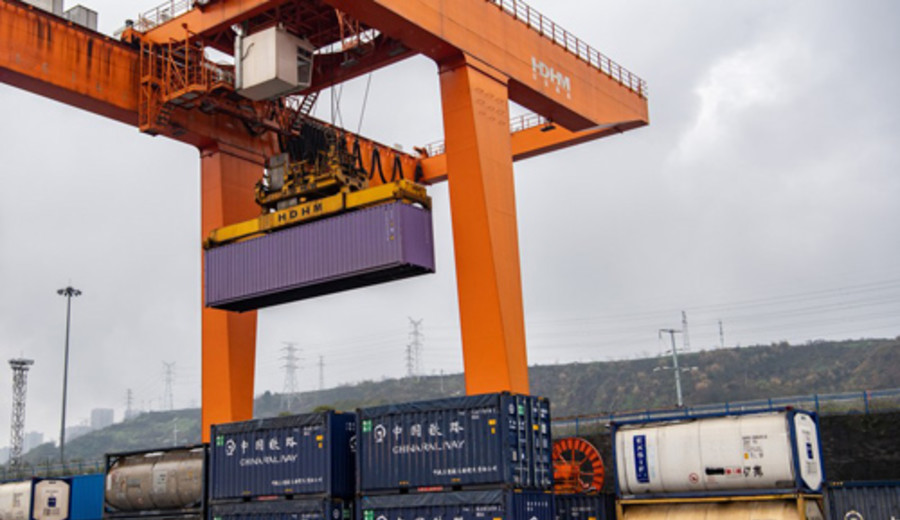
x=82, y=16
x=51, y=500
x=38, y=499
x=272, y=63
x=768, y=451
x=15, y=500
x=52, y=6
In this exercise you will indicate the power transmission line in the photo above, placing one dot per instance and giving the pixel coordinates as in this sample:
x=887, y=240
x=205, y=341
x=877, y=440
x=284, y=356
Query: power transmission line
x=414, y=348
x=291, y=366
x=129, y=400
x=721, y=335
x=169, y=375
x=678, y=394
x=321, y=373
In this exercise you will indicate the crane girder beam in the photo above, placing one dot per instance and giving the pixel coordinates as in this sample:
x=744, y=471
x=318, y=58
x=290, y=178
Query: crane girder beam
x=543, y=76
x=53, y=57
x=46, y=55
x=526, y=144
x=573, y=85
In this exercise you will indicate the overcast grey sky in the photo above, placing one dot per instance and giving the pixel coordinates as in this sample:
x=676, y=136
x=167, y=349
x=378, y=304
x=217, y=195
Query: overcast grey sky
x=763, y=194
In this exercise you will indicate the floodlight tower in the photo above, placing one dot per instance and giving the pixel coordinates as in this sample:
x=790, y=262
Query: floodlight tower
x=69, y=292
x=17, y=430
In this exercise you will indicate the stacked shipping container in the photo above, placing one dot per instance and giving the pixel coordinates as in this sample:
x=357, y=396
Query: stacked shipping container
x=483, y=456
x=296, y=467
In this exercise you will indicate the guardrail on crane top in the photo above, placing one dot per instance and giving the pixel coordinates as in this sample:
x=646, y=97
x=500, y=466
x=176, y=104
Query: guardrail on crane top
x=549, y=29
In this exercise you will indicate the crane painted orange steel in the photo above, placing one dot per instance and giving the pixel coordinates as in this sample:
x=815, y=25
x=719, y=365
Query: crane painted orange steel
x=535, y=63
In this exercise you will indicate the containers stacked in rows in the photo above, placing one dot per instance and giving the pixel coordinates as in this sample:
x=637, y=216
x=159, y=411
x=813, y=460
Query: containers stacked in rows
x=483, y=456
x=292, y=467
x=743, y=459
x=70, y=498
x=165, y=483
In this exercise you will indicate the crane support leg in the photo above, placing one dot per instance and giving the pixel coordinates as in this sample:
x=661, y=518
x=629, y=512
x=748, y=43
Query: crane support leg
x=229, y=339
x=482, y=199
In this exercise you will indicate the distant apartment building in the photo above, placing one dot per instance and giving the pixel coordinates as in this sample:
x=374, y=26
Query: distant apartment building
x=32, y=440
x=102, y=417
x=73, y=432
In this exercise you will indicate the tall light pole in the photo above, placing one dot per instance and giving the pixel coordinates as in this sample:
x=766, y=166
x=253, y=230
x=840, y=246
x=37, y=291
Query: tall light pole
x=68, y=292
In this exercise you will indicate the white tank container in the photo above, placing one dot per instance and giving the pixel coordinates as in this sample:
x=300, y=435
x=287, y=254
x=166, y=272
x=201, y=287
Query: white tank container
x=767, y=451
x=40, y=499
x=51, y=500
x=15, y=500
x=161, y=480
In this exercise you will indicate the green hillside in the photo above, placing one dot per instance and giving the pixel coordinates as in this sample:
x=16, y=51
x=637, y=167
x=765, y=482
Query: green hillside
x=574, y=389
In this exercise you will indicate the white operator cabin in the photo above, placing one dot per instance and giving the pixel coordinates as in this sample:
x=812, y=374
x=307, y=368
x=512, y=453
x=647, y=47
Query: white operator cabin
x=272, y=63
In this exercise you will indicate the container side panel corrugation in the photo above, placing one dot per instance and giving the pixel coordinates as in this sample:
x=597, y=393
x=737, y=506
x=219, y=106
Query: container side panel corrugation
x=494, y=504
x=486, y=440
x=863, y=500
x=356, y=249
x=305, y=509
x=585, y=507
x=299, y=455
x=87, y=497
x=731, y=454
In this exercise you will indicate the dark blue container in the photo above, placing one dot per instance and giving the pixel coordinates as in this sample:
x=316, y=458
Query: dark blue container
x=86, y=497
x=490, y=504
x=863, y=500
x=585, y=507
x=457, y=443
x=300, y=509
x=298, y=455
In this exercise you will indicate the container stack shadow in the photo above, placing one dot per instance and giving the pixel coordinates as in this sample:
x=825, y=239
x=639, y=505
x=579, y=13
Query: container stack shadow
x=466, y=458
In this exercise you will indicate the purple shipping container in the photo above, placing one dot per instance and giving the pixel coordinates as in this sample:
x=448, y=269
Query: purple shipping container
x=365, y=247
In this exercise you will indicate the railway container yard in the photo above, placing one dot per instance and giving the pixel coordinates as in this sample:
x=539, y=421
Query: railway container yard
x=294, y=208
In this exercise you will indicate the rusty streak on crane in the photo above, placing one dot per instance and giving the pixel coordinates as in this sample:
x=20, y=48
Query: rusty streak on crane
x=489, y=52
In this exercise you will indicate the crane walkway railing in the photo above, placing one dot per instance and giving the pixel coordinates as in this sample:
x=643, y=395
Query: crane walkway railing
x=865, y=402
x=516, y=124
x=549, y=29
x=162, y=14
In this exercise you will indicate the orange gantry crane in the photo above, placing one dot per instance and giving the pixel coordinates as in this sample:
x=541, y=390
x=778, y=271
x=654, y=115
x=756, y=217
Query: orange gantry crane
x=157, y=77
